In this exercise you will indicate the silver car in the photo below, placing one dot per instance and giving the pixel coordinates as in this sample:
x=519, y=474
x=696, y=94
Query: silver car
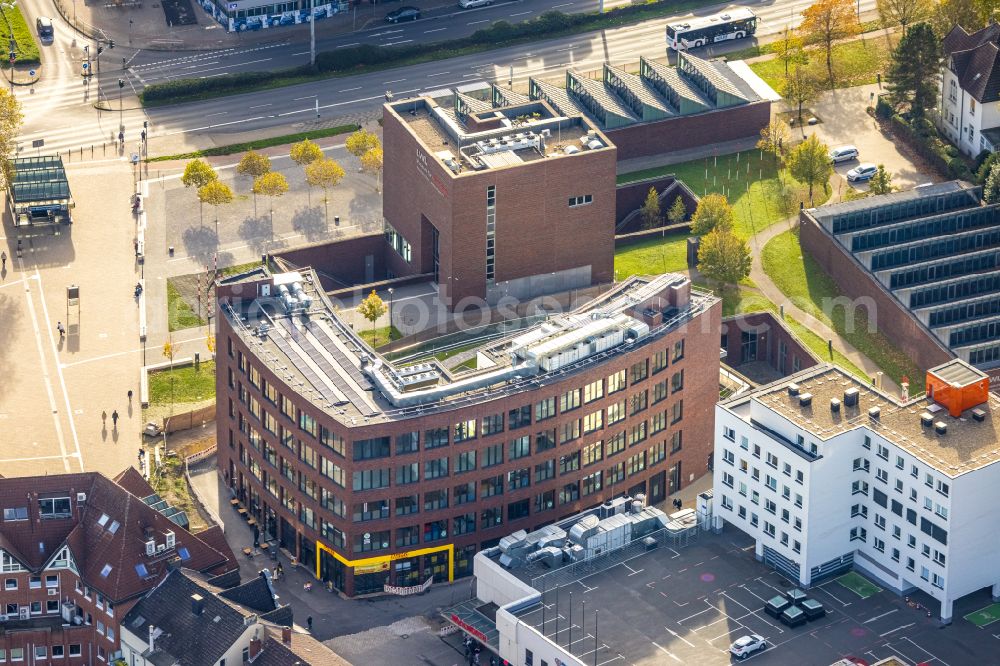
x=843, y=154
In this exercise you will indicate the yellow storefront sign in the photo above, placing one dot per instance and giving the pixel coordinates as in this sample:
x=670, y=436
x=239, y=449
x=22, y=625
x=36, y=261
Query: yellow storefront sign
x=371, y=568
x=381, y=563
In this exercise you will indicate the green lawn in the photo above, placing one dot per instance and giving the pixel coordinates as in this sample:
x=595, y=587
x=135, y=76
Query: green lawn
x=809, y=287
x=189, y=385
x=379, y=336
x=660, y=254
x=180, y=315
x=984, y=616
x=27, y=47
x=818, y=346
x=758, y=194
x=855, y=63
x=859, y=585
x=259, y=143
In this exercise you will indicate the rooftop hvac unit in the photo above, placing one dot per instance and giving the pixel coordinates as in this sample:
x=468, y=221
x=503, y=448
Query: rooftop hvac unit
x=834, y=405
x=927, y=419
x=851, y=396
x=571, y=150
x=594, y=144
x=793, y=389
x=81, y=498
x=874, y=413
x=150, y=548
x=24, y=612
x=805, y=399
x=171, y=539
x=979, y=414
x=941, y=427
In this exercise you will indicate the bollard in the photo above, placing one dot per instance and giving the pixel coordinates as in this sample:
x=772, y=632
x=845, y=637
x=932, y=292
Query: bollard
x=336, y=220
x=91, y=151
x=104, y=148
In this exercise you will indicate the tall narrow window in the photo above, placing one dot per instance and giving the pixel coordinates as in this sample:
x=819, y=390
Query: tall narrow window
x=491, y=232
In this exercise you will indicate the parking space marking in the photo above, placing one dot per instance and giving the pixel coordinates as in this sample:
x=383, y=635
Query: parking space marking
x=676, y=554
x=710, y=608
x=892, y=631
x=933, y=656
x=633, y=571
x=678, y=637
x=835, y=597
x=620, y=657
x=881, y=616
x=667, y=652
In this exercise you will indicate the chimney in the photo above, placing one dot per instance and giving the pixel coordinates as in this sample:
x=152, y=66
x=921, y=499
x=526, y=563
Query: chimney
x=152, y=639
x=255, y=647
x=197, y=603
x=286, y=635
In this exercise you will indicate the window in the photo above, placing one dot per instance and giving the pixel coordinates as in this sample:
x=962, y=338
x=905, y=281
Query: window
x=677, y=412
x=520, y=447
x=492, y=424
x=411, y=473
x=900, y=463
x=434, y=469
x=435, y=438
x=17, y=513
x=677, y=382
x=729, y=434
x=545, y=409
x=465, y=431
x=407, y=505
x=943, y=488
x=10, y=584
x=465, y=462
x=638, y=372
x=568, y=401
x=593, y=391
x=58, y=651
x=616, y=382
x=75, y=650
x=492, y=455
x=581, y=200
x=372, y=478
x=368, y=449
x=678, y=350
x=491, y=230
x=593, y=421
x=54, y=507
x=519, y=417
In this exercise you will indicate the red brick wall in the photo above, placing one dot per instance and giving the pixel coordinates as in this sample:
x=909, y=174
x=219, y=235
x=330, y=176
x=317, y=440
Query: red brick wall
x=769, y=334
x=894, y=321
x=690, y=131
x=343, y=259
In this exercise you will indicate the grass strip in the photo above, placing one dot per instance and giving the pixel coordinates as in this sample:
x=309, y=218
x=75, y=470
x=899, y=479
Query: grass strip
x=809, y=287
x=859, y=585
x=180, y=315
x=368, y=58
x=258, y=144
x=190, y=384
x=984, y=616
x=855, y=63
x=379, y=336
x=14, y=24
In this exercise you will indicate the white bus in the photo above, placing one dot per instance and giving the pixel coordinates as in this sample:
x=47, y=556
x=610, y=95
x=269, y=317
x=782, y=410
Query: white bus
x=699, y=31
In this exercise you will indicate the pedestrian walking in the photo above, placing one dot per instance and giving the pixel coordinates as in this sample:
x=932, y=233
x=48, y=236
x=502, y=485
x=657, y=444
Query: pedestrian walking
x=61, y=329
x=130, y=396
x=279, y=571
x=309, y=623
x=104, y=418
x=3, y=259
x=114, y=419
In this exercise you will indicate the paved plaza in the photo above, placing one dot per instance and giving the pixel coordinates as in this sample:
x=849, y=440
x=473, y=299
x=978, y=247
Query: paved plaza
x=54, y=390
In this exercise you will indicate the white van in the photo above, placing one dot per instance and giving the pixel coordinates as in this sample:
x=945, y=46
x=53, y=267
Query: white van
x=470, y=4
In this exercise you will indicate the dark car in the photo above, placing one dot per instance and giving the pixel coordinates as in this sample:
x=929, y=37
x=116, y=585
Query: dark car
x=403, y=14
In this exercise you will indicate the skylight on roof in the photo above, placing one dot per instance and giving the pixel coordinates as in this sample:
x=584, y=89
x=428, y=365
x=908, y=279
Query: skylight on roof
x=102, y=521
x=106, y=571
x=113, y=527
x=184, y=553
x=141, y=570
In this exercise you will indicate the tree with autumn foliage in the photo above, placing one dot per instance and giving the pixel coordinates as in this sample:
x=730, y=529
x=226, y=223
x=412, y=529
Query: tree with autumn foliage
x=827, y=21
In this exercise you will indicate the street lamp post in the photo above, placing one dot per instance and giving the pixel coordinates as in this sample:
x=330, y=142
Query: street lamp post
x=121, y=109
x=390, y=313
x=312, y=32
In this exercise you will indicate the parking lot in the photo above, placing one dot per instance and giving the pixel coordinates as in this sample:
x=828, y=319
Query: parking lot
x=687, y=606
x=845, y=121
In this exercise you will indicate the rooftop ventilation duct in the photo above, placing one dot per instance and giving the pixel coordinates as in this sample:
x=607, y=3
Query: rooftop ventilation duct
x=979, y=415
x=874, y=413
x=941, y=427
x=835, y=405
x=851, y=396
x=927, y=419
x=793, y=389
x=805, y=399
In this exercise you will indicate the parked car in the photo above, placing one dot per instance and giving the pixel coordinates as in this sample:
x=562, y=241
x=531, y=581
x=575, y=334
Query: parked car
x=861, y=172
x=403, y=14
x=470, y=4
x=843, y=154
x=44, y=26
x=747, y=645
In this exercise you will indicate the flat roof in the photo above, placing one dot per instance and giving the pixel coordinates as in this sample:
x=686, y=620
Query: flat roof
x=968, y=444
x=313, y=349
x=958, y=374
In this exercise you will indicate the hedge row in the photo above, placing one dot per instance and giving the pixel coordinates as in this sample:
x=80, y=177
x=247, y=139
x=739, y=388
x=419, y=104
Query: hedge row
x=923, y=137
x=340, y=61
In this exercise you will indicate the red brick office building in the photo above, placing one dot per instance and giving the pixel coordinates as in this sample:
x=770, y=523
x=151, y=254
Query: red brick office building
x=77, y=551
x=490, y=202
x=374, y=474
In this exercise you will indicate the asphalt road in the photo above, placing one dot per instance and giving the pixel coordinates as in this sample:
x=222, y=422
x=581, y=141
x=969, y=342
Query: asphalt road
x=354, y=94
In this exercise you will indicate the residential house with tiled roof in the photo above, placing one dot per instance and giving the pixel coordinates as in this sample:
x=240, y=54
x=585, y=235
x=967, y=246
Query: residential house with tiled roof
x=77, y=551
x=189, y=621
x=970, y=89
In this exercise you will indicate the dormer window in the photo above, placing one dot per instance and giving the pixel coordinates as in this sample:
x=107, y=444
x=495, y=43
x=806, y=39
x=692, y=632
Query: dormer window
x=54, y=507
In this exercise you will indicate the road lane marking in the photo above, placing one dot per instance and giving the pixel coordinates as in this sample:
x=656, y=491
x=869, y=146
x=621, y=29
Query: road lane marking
x=434, y=30
x=438, y=74
x=520, y=13
x=301, y=53
x=891, y=631
x=402, y=41
x=477, y=22
x=881, y=616
x=299, y=99
x=260, y=106
x=344, y=46
x=393, y=81
x=349, y=89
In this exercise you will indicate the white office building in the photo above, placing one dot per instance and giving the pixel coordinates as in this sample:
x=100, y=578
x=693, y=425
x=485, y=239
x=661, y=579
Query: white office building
x=827, y=472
